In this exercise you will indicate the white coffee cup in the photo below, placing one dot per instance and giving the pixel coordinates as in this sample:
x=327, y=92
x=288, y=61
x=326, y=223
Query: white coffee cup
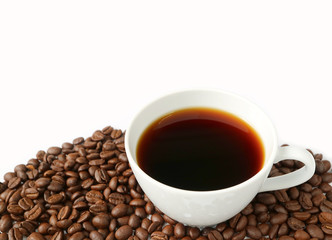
x=204, y=208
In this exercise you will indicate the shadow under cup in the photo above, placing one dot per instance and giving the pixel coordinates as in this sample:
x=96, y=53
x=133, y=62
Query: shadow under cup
x=202, y=207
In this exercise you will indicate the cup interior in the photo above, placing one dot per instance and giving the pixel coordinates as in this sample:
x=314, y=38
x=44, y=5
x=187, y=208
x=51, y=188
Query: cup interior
x=228, y=102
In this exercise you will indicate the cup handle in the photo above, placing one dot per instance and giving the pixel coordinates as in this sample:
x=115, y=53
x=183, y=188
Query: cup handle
x=294, y=178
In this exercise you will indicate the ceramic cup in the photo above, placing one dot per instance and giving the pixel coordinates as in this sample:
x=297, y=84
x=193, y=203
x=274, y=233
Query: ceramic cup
x=204, y=208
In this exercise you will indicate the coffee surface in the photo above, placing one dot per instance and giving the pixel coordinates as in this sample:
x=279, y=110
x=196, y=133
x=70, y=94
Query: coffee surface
x=200, y=149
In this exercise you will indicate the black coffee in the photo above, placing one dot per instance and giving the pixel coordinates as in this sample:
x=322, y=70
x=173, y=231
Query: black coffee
x=200, y=149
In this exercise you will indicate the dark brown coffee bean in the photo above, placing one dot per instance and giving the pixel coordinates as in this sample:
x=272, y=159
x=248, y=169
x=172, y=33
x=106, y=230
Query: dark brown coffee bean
x=292, y=206
x=119, y=210
x=318, y=199
x=248, y=209
x=228, y=233
x=14, y=209
x=253, y=232
x=77, y=236
x=241, y=224
x=54, y=151
x=116, y=198
x=214, y=235
x=95, y=235
x=3, y=207
x=25, y=203
x=315, y=231
x=327, y=177
x=31, y=193
x=326, y=206
x=283, y=229
x=93, y=196
x=168, y=230
x=64, y=224
x=301, y=235
x=15, y=234
x=273, y=231
x=282, y=196
x=156, y=217
x=179, y=230
x=264, y=228
x=75, y=227
x=102, y=220
x=259, y=208
x=327, y=228
x=303, y=216
x=35, y=236
x=153, y=227
x=266, y=198
x=239, y=236
x=134, y=221
x=295, y=224
x=233, y=221
x=123, y=232
x=159, y=236
x=252, y=221
x=5, y=223
x=137, y=202
x=278, y=218
x=325, y=217
x=14, y=182
x=325, y=187
x=305, y=200
x=55, y=198
x=116, y=133
x=142, y=233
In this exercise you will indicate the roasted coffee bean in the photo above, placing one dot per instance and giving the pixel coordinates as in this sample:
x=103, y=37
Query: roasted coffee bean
x=142, y=233
x=241, y=224
x=15, y=234
x=25, y=203
x=278, y=218
x=14, y=182
x=283, y=229
x=273, y=231
x=326, y=206
x=303, y=216
x=77, y=236
x=31, y=193
x=119, y=210
x=228, y=233
x=5, y=223
x=179, y=230
x=100, y=221
x=264, y=228
x=123, y=232
x=253, y=232
x=3, y=207
x=239, y=236
x=301, y=235
x=266, y=198
x=295, y=224
x=327, y=228
x=95, y=235
x=292, y=206
x=159, y=236
x=214, y=235
x=35, y=236
x=233, y=221
x=315, y=231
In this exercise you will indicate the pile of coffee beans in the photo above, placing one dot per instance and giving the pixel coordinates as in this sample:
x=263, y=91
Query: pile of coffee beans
x=86, y=190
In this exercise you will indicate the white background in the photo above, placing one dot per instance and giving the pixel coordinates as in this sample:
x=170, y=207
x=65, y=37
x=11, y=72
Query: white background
x=68, y=68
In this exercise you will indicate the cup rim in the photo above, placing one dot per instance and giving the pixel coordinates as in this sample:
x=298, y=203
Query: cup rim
x=249, y=181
